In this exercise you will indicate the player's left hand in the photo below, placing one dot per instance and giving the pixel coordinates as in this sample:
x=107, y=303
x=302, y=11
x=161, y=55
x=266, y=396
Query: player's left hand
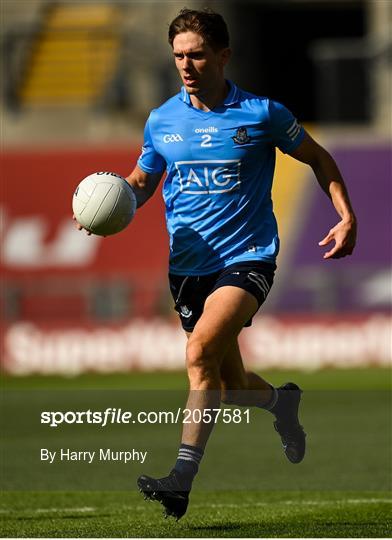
x=344, y=235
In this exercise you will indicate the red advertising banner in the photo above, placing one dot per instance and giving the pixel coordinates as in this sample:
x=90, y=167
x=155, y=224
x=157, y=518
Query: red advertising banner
x=38, y=235
x=307, y=342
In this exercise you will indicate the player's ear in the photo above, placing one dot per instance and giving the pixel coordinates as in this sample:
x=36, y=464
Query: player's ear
x=225, y=55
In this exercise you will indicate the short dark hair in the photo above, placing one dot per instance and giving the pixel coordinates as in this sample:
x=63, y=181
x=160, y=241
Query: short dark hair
x=207, y=23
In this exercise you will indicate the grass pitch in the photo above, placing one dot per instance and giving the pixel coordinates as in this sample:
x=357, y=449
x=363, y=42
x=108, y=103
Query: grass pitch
x=212, y=514
x=245, y=487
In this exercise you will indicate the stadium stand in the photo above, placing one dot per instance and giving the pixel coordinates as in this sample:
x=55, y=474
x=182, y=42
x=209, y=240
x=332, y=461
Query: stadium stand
x=73, y=56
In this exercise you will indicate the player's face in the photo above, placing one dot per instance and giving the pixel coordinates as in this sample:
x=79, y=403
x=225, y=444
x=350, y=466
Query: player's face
x=199, y=66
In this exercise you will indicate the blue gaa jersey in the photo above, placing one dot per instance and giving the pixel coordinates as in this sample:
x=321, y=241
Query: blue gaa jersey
x=220, y=166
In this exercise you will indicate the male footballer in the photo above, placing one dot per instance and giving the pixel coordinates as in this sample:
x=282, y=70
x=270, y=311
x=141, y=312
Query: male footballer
x=216, y=143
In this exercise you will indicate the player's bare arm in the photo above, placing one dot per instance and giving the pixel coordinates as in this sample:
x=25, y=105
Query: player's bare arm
x=143, y=184
x=332, y=183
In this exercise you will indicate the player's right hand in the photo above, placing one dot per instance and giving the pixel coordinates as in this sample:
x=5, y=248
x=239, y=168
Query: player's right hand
x=79, y=226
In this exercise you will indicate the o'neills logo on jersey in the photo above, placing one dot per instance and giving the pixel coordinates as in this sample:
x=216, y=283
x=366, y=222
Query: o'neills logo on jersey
x=210, y=129
x=207, y=177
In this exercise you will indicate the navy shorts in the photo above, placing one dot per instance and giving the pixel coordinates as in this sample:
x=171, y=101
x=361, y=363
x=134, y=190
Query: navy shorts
x=190, y=292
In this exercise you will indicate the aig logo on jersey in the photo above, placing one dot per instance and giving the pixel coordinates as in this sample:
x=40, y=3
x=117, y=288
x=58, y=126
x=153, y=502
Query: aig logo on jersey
x=172, y=137
x=206, y=177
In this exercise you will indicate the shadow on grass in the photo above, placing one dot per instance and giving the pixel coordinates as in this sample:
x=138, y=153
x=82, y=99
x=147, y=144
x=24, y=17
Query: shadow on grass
x=300, y=530
x=216, y=527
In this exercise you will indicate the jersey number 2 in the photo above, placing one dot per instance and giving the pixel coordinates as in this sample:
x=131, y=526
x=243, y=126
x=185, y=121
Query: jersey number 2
x=206, y=140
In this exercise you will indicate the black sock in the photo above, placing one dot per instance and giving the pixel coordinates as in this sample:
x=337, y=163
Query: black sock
x=272, y=403
x=187, y=464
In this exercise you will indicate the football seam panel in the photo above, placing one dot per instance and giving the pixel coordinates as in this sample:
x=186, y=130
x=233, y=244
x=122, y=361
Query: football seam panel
x=99, y=207
x=115, y=204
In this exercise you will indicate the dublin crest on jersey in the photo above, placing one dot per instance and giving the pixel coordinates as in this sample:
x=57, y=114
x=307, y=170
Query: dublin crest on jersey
x=241, y=137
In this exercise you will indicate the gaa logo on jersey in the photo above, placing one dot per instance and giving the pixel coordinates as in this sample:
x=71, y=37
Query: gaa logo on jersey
x=172, y=138
x=209, y=176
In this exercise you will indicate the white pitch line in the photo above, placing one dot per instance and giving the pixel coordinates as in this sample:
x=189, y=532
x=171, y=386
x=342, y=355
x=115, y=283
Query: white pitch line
x=82, y=509
x=293, y=502
x=48, y=510
x=359, y=501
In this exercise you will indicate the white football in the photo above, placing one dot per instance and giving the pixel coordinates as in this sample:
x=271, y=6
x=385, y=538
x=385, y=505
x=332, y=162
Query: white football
x=104, y=203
